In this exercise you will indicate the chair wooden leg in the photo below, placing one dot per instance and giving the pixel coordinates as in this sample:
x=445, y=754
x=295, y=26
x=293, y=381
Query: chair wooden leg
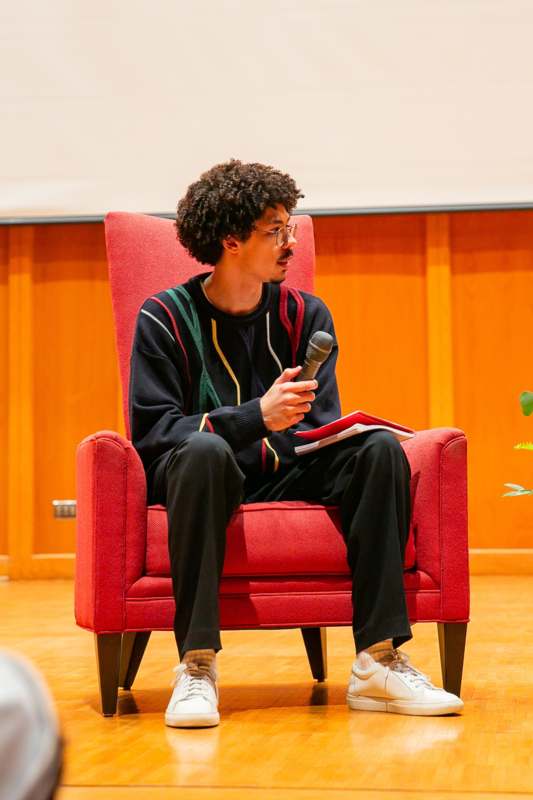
x=452, y=639
x=108, y=658
x=133, y=647
x=317, y=651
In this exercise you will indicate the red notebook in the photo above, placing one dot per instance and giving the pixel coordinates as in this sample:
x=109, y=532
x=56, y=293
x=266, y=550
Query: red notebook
x=344, y=427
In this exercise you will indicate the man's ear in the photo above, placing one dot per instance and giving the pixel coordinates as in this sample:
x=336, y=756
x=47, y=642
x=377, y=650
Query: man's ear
x=231, y=244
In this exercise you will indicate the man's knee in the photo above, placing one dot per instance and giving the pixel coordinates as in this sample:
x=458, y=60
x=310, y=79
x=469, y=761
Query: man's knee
x=201, y=448
x=202, y=452
x=384, y=445
x=207, y=445
x=204, y=460
x=383, y=440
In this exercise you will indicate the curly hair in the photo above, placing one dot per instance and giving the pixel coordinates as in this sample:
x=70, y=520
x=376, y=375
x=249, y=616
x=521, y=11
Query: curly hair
x=228, y=200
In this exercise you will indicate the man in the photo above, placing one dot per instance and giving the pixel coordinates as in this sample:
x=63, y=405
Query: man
x=214, y=402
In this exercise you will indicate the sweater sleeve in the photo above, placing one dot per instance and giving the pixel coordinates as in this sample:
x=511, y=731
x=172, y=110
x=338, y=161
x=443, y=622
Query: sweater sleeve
x=159, y=390
x=276, y=451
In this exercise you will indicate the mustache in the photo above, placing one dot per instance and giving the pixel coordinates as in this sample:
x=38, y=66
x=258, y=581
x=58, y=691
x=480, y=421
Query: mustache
x=286, y=254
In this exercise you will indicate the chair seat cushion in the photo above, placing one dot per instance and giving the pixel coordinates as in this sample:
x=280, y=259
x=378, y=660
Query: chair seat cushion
x=150, y=588
x=270, y=539
x=275, y=602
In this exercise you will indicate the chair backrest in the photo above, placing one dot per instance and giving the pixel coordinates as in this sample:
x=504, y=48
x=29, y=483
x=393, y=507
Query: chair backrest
x=145, y=257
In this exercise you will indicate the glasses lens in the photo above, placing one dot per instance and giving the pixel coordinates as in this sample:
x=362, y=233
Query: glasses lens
x=284, y=234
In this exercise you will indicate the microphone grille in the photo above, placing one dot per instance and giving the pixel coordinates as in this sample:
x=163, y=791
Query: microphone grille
x=322, y=340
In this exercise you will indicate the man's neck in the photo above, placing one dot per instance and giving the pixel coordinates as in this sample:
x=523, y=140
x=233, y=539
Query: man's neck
x=232, y=293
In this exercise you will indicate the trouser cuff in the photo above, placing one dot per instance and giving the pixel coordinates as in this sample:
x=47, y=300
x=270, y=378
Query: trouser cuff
x=399, y=633
x=202, y=639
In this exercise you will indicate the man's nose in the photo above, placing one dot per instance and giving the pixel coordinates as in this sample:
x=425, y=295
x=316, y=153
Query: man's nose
x=290, y=241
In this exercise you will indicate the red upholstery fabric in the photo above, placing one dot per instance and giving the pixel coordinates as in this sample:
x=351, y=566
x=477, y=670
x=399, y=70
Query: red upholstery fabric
x=274, y=604
x=252, y=549
x=285, y=563
x=265, y=601
x=111, y=529
x=154, y=588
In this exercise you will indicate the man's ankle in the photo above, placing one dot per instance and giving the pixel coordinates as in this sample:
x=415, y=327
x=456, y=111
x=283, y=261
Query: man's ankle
x=380, y=651
x=200, y=662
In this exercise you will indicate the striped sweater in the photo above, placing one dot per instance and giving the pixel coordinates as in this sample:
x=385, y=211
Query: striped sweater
x=197, y=368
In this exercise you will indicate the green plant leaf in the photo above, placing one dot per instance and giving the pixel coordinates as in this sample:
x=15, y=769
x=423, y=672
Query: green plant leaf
x=526, y=401
x=524, y=446
x=514, y=486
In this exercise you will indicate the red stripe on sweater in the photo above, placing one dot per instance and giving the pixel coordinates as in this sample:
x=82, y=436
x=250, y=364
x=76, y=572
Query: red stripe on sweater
x=209, y=425
x=299, y=323
x=178, y=337
x=284, y=317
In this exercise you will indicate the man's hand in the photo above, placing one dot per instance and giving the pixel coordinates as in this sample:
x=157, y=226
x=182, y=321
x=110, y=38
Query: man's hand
x=287, y=401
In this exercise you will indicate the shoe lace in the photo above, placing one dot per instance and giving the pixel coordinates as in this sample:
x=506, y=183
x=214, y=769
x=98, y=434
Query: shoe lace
x=400, y=663
x=196, y=684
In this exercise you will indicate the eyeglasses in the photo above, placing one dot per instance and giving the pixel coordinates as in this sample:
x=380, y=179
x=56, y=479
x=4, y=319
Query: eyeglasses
x=283, y=234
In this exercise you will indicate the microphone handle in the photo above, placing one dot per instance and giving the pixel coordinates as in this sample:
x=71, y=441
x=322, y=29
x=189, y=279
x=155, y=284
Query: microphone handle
x=309, y=369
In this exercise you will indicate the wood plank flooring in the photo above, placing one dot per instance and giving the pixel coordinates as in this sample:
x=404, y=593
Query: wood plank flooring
x=282, y=735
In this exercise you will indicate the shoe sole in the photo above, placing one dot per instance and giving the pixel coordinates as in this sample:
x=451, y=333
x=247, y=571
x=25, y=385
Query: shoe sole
x=358, y=703
x=192, y=721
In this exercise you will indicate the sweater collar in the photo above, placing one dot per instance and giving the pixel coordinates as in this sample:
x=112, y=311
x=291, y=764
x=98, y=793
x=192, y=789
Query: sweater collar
x=204, y=306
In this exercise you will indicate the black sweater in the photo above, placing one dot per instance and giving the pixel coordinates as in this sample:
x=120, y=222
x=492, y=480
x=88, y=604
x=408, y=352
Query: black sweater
x=197, y=368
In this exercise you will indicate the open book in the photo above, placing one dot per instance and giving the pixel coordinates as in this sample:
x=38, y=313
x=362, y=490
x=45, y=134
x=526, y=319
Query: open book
x=344, y=427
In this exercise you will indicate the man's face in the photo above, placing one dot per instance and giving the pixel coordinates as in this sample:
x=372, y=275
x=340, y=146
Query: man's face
x=267, y=252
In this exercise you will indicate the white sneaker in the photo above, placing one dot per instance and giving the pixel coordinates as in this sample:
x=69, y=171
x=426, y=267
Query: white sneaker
x=398, y=687
x=194, y=701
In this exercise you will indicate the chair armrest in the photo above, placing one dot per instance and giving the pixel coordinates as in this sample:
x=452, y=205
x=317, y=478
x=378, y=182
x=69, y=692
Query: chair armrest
x=110, y=529
x=440, y=515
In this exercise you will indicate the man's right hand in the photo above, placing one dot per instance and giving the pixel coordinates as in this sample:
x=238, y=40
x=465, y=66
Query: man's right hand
x=287, y=401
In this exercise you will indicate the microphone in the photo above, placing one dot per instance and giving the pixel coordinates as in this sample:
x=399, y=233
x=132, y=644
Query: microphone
x=319, y=347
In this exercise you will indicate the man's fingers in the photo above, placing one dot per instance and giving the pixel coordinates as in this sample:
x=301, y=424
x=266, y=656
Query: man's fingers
x=288, y=374
x=301, y=408
x=296, y=399
x=301, y=386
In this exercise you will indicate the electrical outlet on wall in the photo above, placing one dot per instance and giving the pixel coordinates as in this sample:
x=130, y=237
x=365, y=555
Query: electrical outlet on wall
x=64, y=508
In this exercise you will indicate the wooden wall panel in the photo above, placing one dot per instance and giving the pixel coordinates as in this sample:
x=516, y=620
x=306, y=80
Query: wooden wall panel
x=492, y=287
x=371, y=273
x=75, y=379
x=439, y=321
x=20, y=441
x=4, y=257
x=384, y=278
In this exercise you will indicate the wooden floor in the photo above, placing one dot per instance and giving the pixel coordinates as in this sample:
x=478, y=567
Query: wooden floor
x=282, y=735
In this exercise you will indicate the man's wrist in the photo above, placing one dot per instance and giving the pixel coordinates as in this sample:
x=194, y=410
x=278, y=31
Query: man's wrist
x=266, y=418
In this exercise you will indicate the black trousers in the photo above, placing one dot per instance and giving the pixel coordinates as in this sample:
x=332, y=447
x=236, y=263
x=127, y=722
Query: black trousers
x=367, y=476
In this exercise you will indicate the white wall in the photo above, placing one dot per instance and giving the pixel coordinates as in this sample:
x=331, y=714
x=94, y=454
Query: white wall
x=120, y=104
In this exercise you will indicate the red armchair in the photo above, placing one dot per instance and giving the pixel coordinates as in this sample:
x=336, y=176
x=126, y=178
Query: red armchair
x=123, y=585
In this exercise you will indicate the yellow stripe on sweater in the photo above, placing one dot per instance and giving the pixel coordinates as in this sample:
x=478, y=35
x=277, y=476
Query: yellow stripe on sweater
x=202, y=423
x=276, y=457
x=225, y=360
